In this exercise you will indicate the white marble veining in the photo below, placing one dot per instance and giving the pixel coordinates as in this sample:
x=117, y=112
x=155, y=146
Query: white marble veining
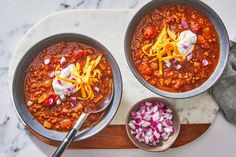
x=17, y=16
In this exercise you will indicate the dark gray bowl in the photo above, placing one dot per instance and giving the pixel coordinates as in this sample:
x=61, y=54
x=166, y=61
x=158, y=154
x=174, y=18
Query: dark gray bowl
x=210, y=14
x=18, y=87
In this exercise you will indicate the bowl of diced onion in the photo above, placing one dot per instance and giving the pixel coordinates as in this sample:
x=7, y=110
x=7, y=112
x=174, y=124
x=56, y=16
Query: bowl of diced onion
x=153, y=124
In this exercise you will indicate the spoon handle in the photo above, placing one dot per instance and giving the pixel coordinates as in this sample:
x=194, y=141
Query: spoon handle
x=69, y=137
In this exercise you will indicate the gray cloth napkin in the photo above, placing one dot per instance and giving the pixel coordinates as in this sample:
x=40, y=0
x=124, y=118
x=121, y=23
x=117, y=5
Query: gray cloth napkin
x=224, y=91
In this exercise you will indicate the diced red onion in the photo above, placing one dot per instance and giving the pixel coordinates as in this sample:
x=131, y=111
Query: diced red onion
x=170, y=117
x=167, y=116
x=178, y=66
x=161, y=119
x=46, y=61
x=156, y=116
x=168, y=129
x=51, y=75
x=189, y=56
x=50, y=101
x=62, y=97
x=155, y=109
x=67, y=74
x=174, y=60
x=63, y=61
x=149, y=133
x=140, y=130
x=184, y=24
x=169, y=110
x=164, y=136
x=142, y=105
x=166, y=123
x=133, y=113
x=148, y=103
x=73, y=101
x=151, y=122
x=138, y=120
x=73, y=91
x=59, y=82
x=156, y=136
x=58, y=102
x=143, y=111
x=154, y=123
x=140, y=137
x=148, y=108
x=154, y=104
x=161, y=105
x=145, y=115
x=73, y=78
x=185, y=46
x=68, y=90
x=205, y=62
x=145, y=130
x=146, y=139
x=141, y=123
x=96, y=89
x=159, y=127
x=151, y=139
x=131, y=125
x=138, y=113
x=146, y=124
x=168, y=64
x=29, y=103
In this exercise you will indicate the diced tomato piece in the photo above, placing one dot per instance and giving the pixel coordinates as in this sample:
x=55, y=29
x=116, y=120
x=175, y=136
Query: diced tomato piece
x=51, y=100
x=195, y=27
x=48, y=57
x=46, y=102
x=80, y=53
x=149, y=32
x=49, y=67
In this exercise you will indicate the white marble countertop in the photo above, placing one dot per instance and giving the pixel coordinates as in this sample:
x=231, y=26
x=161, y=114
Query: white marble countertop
x=17, y=16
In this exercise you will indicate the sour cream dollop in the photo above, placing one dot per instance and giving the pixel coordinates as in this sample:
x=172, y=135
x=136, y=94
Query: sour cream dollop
x=61, y=87
x=187, y=40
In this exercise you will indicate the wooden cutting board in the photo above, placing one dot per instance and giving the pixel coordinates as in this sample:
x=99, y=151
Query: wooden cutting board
x=115, y=137
x=108, y=27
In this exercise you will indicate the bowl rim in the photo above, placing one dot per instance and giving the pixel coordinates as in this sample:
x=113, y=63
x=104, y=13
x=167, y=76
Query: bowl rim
x=217, y=71
x=56, y=135
x=175, y=114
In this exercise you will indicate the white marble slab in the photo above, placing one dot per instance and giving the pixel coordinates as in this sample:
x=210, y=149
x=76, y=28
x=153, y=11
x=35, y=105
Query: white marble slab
x=108, y=27
x=17, y=16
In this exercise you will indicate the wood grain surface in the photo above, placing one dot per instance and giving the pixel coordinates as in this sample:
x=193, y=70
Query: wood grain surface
x=115, y=137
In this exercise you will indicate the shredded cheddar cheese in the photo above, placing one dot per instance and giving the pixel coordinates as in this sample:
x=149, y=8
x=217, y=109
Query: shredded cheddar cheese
x=164, y=49
x=83, y=78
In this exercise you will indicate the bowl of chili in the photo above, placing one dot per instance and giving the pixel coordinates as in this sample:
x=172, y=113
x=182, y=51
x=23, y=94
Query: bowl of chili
x=176, y=49
x=58, y=77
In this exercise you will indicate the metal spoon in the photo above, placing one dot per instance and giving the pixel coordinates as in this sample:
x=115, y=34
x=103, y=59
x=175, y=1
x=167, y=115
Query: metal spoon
x=69, y=137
